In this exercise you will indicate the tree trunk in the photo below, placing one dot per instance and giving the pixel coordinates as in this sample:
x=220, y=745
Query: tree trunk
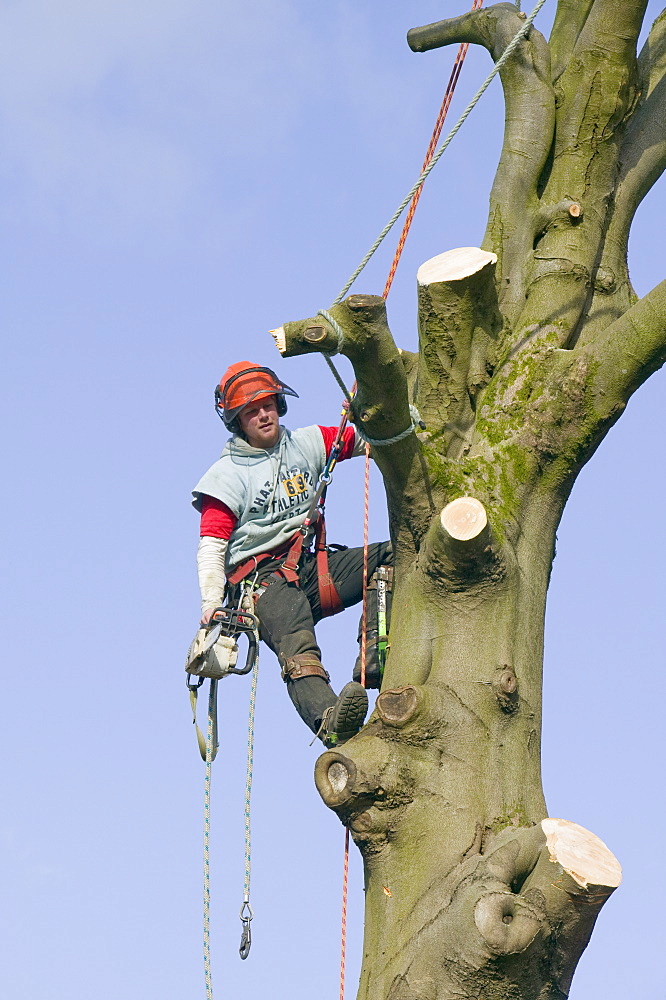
x=529, y=349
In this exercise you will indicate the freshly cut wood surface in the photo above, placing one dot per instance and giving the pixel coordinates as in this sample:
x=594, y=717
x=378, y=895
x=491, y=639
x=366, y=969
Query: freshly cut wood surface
x=279, y=338
x=453, y=265
x=464, y=518
x=582, y=854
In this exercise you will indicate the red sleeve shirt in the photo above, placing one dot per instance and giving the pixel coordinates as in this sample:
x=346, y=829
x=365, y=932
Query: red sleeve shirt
x=348, y=441
x=218, y=521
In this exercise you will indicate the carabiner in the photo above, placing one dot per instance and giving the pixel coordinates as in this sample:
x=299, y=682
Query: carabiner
x=246, y=933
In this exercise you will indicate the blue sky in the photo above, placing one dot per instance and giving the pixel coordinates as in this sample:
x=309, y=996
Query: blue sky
x=176, y=180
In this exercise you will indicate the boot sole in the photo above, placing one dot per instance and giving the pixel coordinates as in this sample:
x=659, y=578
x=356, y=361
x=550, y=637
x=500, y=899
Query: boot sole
x=350, y=711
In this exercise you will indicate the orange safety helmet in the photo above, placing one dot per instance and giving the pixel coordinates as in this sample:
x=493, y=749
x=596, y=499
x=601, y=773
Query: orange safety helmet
x=242, y=384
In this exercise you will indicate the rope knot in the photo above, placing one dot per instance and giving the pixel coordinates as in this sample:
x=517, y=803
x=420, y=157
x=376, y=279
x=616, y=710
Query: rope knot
x=415, y=423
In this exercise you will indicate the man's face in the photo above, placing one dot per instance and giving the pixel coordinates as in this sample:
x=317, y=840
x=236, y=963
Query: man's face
x=259, y=422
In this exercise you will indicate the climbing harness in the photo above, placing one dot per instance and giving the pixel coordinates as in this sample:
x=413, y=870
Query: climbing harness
x=214, y=655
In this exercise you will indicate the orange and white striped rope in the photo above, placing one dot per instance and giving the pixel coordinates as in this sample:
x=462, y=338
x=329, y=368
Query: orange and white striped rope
x=345, y=883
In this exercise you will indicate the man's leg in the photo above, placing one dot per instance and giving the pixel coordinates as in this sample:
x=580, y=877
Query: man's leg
x=346, y=568
x=287, y=626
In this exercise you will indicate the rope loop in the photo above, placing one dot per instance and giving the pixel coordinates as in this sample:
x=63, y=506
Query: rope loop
x=382, y=442
x=337, y=330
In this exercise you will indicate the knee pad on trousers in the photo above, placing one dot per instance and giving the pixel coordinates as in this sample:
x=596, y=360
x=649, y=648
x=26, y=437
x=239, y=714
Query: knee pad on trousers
x=302, y=665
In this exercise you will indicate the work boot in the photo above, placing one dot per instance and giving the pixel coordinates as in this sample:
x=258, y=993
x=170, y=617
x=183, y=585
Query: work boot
x=344, y=719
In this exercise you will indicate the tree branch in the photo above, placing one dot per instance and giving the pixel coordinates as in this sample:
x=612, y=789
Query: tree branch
x=612, y=28
x=459, y=550
x=642, y=154
x=569, y=22
x=641, y=160
x=459, y=321
x=626, y=353
x=528, y=132
x=596, y=93
x=575, y=875
x=380, y=406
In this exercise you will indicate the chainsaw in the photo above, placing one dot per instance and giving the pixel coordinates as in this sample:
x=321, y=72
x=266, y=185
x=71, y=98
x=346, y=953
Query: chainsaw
x=214, y=649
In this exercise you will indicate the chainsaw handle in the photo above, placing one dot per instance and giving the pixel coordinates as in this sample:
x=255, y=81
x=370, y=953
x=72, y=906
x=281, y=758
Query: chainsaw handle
x=251, y=655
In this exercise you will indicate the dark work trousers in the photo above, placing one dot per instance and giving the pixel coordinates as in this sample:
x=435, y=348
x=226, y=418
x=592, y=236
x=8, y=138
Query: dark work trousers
x=288, y=614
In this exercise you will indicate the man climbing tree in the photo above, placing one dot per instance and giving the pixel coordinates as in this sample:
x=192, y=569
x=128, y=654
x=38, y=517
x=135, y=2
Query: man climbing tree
x=530, y=348
x=259, y=513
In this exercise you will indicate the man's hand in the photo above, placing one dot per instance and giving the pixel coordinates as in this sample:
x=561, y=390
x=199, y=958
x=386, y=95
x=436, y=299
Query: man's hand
x=208, y=615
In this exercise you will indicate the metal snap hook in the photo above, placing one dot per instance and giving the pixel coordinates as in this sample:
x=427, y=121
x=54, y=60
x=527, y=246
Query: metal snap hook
x=246, y=915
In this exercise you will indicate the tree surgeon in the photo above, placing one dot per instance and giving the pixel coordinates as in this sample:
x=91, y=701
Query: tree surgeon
x=254, y=503
x=529, y=349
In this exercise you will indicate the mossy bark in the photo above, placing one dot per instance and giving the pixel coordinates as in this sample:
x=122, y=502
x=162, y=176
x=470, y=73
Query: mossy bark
x=525, y=362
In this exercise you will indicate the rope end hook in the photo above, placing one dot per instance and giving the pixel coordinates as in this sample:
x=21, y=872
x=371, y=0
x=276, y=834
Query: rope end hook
x=246, y=915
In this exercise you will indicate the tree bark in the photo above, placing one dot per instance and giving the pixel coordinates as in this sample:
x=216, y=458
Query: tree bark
x=529, y=349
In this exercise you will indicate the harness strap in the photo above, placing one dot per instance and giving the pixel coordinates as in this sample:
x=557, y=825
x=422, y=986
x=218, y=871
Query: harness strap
x=329, y=599
x=289, y=567
x=238, y=573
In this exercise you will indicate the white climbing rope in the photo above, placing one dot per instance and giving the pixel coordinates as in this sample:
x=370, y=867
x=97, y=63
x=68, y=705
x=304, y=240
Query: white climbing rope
x=206, y=840
x=416, y=422
x=246, y=912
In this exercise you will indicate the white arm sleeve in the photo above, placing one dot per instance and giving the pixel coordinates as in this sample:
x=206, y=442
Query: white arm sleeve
x=359, y=445
x=210, y=567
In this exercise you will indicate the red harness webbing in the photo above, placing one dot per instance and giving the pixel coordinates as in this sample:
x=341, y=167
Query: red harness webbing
x=329, y=598
x=244, y=569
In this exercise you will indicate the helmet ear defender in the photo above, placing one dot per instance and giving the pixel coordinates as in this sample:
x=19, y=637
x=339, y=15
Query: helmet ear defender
x=219, y=409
